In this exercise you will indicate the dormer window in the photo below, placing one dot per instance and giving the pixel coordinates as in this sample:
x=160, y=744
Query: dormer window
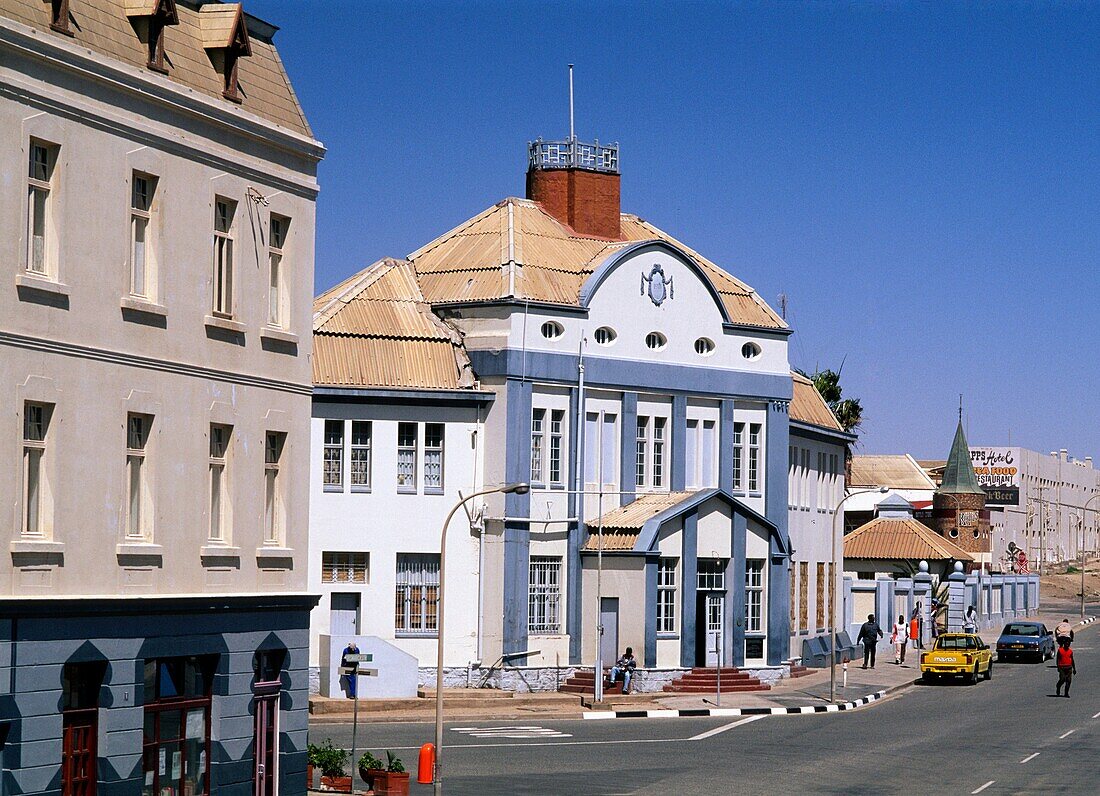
x=150, y=18
x=59, y=17
x=225, y=38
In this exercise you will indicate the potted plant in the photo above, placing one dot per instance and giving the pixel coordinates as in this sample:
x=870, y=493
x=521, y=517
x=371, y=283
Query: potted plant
x=311, y=760
x=332, y=762
x=397, y=778
x=371, y=771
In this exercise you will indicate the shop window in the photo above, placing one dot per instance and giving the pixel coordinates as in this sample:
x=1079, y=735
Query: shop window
x=177, y=725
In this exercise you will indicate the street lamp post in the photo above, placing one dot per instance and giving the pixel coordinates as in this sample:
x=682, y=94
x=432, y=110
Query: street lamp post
x=437, y=774
x=1084, y=513
x=832, y=589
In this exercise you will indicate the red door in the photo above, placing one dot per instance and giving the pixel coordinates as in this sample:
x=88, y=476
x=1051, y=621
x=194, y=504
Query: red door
x=267, y=740
x=78, y=767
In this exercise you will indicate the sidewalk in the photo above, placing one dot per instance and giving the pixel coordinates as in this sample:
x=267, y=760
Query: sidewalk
x=492, y=705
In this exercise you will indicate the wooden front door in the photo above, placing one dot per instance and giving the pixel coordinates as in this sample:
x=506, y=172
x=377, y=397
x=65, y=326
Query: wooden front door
x=267, y=739
x=78, y=767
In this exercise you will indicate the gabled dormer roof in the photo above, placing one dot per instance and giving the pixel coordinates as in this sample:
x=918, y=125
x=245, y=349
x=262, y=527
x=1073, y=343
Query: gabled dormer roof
x=223, y=28
x=959, y=477
x=165, y=9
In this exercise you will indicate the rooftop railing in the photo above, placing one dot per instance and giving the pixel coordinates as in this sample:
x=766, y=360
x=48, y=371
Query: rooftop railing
x=573, y=154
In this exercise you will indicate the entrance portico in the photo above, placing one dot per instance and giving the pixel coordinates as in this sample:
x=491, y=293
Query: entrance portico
x=690, y=576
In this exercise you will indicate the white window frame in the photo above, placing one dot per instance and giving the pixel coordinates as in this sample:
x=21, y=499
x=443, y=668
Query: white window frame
x=138, y=503
x=36, y=429
x=739, y=458
x=274, y=509
x=792, y=477
x=710, y=574
x=361, y=455
x=544, y=596
x=220, y=435
x=754, y=595
x=538, y=435
x=339, y=566
x=666, y=597
x=277, y=297
x=641, y=451
x=221, y=304
x=434, y=458
x=657, y=469
x=601, y=435
x=416, y=595
x=40, y=259
x=708, y=446
x=691, y=453
x=406, y=481
x=332, y=461
x=143, y=275
x=556, y=472
x=754, y=485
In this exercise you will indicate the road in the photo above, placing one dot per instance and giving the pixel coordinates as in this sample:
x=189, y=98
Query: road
x=1010, y=735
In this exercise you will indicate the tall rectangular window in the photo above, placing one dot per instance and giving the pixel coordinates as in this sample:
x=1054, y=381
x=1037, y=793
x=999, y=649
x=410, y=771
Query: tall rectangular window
x=738, y=457
x=691, y=454
x=406, y=457
x=706, y=454
x=591, y=446
x=557, y=445
x=142, y=275
x=820, y=612
x=333, y=468
x=538, y=421
x=641, y=452
x=754, y=457
x=608, y=446
x=804, y=594
x=416, y=600
x=835, y=481
x=544, y=595
x=792, y=477
x=224, y=210
x=137, y=436
x=43, y=158
x=276, y=267
x=666, y=595
x=219, y=492
x=433, y=457
x=822, y=481
x=361, y=434
x=344, y=567
x=177, y=724
x=806, y=479
x=754, y=595
x=36, y=423
x=273, y=498
x=659, y=452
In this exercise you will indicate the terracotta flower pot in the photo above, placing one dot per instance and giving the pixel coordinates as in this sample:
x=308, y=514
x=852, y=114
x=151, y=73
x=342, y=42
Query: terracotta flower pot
x=309, y=776
x=338, y=784
x=393, y=783
x=373, y=777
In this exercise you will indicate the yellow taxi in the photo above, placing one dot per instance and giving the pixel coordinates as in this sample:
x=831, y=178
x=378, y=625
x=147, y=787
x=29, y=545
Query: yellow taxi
x=957, y=655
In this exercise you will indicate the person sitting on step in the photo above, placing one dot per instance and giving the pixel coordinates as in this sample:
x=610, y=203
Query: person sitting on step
x=624, y=666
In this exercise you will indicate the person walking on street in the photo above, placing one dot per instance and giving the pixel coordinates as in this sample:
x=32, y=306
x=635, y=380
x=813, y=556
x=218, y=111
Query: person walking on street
x=899, y=637
x=1067, y=667
x=914, y=629
x=869, y=634
x=1064, y=630
x=970, y=621
x=935, y=624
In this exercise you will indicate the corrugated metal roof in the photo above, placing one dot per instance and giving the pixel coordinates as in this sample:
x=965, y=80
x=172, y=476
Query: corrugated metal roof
x=808, y=406
x=904, y=539
x=104, y=26
x=378, y=331
x=517, y=235
x=897, y=471
x=612, y=540
x=635, y=514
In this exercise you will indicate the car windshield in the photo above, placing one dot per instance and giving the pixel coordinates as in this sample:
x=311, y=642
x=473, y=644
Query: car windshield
x=956, y=643
x=1021, y=630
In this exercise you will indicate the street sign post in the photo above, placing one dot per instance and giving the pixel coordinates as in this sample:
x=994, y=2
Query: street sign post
x=355, y=672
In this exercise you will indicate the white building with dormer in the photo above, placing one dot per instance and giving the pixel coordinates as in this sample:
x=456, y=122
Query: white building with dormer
x=682, y=479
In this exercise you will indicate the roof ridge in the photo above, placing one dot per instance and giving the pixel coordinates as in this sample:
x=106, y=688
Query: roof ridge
x=439, y=240
x=356, y=285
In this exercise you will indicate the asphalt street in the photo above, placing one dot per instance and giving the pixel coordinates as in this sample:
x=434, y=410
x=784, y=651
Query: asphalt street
x=1009, y=735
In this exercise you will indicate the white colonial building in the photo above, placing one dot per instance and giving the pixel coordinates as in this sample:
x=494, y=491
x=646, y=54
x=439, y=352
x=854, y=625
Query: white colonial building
x=682, y=480
x=156, y=245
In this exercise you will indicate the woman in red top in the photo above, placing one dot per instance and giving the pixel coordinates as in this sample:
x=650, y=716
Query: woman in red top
x=1067, y=667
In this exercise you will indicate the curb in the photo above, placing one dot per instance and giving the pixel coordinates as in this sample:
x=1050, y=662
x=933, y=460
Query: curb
x=1088, y=620
x=703, y=712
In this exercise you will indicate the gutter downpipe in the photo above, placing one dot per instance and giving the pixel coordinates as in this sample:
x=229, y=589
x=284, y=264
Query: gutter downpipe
x=578, y=463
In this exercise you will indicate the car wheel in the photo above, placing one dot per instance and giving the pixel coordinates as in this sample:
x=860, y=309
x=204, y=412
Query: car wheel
x=928, y=678
x=973, y=676
x=989, y=671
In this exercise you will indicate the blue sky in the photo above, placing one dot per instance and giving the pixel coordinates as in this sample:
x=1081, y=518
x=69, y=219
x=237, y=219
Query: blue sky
x=921, y=180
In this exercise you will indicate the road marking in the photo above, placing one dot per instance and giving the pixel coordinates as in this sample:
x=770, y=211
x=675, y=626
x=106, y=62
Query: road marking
x=723, y=728
x=1030, y=757
x=1066, y=735
x=512, y=731
x=1097, y=716
x=983, y=787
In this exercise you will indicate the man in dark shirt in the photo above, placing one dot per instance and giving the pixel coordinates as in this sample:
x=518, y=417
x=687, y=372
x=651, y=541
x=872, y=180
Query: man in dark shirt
x=869, y=634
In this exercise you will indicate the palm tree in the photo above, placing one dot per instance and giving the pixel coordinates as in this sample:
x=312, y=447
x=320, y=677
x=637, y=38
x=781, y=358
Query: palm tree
x=848, y=411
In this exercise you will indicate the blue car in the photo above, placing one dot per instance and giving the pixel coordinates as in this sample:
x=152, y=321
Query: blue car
x=1025, y=640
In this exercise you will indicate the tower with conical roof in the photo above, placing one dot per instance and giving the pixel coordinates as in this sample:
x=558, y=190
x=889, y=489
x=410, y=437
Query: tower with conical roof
x=958, y=506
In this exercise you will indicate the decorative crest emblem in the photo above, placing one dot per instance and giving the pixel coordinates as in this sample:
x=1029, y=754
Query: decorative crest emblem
x=656, y=285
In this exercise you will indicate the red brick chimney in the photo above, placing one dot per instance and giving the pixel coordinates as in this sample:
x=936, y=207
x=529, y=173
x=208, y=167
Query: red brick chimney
x=578, y=184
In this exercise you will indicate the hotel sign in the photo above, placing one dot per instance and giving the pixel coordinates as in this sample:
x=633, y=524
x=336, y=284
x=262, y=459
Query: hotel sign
x=998, y=474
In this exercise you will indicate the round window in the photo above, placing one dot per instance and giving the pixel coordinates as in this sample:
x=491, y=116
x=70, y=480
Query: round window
x=552, y=330
x=704, y=346
x=655, y=341
x=750, y=350
x=953, y=533
x=976, y=533
x=605, y=335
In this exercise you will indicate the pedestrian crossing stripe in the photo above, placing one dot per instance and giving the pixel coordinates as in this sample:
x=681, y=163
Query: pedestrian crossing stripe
x=722, y=712
x=522, y=731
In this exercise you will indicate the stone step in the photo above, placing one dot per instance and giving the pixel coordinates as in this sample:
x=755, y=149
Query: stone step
x=731, y=688
x=709, y=676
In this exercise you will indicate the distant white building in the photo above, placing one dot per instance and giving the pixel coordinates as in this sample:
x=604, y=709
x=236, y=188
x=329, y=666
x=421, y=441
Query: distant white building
x=682, y=481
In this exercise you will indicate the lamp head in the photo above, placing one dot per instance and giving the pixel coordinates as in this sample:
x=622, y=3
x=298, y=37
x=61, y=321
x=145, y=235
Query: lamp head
x=883, y=489
x=522, y=488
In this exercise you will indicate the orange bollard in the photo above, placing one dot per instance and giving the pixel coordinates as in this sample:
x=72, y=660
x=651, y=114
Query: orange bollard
x=425, y=768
